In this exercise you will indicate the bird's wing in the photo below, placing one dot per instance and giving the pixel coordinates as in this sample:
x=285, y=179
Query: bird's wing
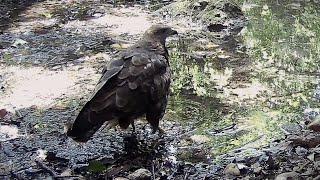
x=125, y=86
x=125, y=80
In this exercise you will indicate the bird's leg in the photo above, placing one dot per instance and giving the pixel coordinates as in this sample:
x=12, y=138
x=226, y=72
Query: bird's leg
x=133, y=127
x=161, y=131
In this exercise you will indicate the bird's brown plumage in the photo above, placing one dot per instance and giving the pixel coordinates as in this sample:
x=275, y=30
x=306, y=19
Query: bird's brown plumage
x=133, y=84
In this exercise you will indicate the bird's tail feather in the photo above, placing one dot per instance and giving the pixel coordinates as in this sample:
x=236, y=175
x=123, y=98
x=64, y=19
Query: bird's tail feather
x=85, y=125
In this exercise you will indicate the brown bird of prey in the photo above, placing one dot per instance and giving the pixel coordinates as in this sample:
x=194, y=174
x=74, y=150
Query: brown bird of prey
x=134, y=84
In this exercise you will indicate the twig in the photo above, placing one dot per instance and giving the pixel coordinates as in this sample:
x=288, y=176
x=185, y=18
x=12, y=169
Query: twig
x=153, y=174
x=186, y=175
x=222, y=129
x=20, y=116
x=26, y=129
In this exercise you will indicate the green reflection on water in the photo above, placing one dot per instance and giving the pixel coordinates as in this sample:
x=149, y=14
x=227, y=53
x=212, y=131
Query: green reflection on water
x=283, y=49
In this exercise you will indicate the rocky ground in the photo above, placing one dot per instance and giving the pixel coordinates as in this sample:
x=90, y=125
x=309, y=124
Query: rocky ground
x=52, y=53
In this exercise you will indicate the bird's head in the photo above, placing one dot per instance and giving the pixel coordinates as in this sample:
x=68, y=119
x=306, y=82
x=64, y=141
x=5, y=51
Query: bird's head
x=160, y=32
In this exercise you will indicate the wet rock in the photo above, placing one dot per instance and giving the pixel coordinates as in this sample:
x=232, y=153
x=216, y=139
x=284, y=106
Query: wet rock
x=193, y=154
x=140, y=174
x=232, y=169
x=307, y=139
x=314, y=125
x=287, y=176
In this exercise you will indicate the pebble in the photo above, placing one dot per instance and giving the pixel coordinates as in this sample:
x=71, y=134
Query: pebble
x=140, y=174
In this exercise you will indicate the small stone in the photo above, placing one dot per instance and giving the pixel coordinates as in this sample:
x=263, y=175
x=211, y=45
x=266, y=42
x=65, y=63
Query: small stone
x=311, y=157
x=140, y=174
x=300, y=151
x=287, y=175
x=67, y=172
x=232, y=169
x=257, y=170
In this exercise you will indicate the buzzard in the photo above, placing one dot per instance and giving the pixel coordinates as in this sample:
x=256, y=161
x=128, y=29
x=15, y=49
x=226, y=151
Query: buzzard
x=133, y=84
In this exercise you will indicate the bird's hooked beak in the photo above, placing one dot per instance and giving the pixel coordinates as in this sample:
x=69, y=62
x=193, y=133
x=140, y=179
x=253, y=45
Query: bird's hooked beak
x=174, y=32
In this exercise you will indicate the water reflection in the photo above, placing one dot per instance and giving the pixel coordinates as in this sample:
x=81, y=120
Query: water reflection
x=261, y=87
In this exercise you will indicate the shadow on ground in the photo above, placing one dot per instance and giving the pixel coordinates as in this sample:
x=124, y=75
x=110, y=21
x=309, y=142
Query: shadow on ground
x=11, y=9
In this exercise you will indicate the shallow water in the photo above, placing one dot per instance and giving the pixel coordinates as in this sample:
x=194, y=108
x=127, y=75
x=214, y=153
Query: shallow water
x=252, y=90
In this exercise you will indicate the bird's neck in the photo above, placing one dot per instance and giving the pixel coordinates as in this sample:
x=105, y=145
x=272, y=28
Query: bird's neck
x=154, y=43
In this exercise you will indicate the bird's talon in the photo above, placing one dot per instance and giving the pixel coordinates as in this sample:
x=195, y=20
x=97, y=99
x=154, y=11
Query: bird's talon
x=161, y=131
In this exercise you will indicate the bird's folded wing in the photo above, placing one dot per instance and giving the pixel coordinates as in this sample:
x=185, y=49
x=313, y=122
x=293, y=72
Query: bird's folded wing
x=126, y=81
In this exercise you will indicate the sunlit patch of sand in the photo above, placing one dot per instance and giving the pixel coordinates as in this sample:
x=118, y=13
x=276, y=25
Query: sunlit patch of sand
x=8, y=132
x=125, y=21
x=35, y=86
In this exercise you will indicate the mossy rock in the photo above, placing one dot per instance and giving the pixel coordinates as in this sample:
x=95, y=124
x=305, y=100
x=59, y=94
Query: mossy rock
x=214, y=15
